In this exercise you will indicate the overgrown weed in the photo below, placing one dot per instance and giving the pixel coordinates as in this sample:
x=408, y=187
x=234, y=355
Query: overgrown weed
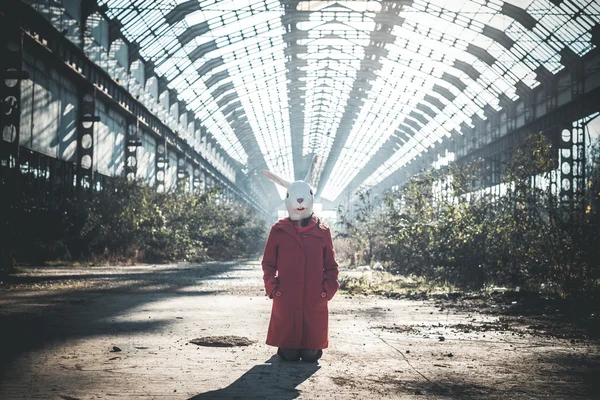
x=450, y=228
x=127, y=223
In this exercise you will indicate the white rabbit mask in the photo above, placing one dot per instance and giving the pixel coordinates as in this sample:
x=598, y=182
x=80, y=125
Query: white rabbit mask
x=300, y=195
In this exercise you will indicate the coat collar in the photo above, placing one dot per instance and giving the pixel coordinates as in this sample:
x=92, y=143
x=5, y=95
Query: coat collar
x=314, y=227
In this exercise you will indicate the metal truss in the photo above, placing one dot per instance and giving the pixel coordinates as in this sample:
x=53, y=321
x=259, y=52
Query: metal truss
x=40, y=38
x=370, y=87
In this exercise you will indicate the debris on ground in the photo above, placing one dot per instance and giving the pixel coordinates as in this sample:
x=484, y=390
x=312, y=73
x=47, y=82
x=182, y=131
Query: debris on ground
x=222, y=341
x=399, y=328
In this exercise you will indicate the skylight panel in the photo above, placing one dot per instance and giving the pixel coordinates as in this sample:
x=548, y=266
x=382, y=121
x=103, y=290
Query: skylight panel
x=154, y=18
x=128, y=17
x=116, y=4
x=432, y=38
x=170, y=71
x=498, y=21
x=360, y=146
x=138, y=27
x=360, y=6
x=338, y=55
x=188, y=95
x=195, y=18
x=535, y=50
x=242, y=47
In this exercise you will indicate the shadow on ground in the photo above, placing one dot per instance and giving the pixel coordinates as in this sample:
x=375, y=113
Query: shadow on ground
x=274, y=379
x=541, y=315
x=32, y=320
x=555, y=375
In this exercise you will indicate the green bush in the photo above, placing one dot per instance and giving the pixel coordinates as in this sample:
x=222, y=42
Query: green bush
x=471, y=238
x=128, y=222
x=359, y=238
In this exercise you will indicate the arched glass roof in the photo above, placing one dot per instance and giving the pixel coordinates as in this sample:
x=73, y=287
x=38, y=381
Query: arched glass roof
x=366, y=85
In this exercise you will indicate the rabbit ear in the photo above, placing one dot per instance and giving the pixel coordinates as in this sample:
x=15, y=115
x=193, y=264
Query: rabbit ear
x=311, y=169
x=276, y=179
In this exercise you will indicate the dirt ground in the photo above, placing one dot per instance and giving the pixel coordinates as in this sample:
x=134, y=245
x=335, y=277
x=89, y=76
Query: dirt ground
x=125, y=332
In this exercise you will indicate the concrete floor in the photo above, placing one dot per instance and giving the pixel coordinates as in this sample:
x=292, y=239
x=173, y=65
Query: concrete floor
x=59, y=327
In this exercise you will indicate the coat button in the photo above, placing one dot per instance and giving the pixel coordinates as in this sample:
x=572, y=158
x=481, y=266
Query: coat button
x=323, y=294
x=278, y=293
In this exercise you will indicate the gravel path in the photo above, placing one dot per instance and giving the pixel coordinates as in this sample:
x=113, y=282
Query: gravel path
x=124, y=333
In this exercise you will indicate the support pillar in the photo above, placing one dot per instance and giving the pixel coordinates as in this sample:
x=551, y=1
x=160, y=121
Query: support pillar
x=550, y=85
x=571, y=185
x=510, y=111
x=132, y=143
x=574, y=64
x=11, y=74
x=85, y=139
x=196, y=181
x=528, y=97
x=182, y=173
x=161, y=162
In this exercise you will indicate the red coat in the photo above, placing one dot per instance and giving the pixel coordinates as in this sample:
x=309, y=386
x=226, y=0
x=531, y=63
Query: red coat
x=300, y=275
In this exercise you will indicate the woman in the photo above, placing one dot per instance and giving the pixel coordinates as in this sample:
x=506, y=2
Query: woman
x=300, y=275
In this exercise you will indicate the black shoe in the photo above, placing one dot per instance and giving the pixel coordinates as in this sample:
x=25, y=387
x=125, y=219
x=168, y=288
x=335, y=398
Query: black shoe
x=289, y=354
x=310, y=355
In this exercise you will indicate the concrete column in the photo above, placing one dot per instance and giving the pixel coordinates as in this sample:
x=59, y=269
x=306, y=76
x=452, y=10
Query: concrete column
x=161, y=162
x=182, y=173
x=11, y=74
x=132, y=142
x=85, y=138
